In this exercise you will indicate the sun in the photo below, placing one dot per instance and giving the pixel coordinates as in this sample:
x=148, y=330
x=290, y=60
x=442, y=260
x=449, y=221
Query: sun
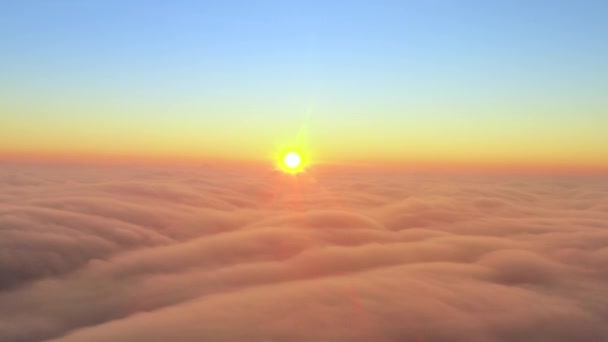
x=294, y=156
x=292, y=161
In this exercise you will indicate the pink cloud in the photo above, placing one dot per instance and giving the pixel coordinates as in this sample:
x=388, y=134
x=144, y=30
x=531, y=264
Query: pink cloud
x=125, y=254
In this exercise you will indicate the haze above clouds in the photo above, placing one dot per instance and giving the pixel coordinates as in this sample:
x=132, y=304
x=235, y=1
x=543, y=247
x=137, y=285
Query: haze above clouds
x=226, y=254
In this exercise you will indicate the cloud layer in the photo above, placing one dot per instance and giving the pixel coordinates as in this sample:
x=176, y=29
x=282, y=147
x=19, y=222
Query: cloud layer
x=226, y=254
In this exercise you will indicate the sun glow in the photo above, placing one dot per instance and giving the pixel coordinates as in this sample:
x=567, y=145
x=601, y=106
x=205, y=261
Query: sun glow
x=293, y=157
x=292, y=161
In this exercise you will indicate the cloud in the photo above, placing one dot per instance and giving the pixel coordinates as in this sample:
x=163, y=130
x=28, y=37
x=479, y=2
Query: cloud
x=220, y=254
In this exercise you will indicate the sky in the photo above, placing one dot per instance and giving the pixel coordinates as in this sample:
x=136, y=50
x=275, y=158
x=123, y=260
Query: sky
x=506, y=83
x=133, y=206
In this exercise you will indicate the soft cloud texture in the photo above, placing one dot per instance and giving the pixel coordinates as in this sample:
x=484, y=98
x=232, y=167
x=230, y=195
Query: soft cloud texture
x=227, y=254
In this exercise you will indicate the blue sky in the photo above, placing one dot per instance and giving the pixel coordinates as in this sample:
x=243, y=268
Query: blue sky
x=357, y=65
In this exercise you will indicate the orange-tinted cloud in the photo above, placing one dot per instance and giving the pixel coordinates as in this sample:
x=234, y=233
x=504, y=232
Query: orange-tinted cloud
x=157, y=254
